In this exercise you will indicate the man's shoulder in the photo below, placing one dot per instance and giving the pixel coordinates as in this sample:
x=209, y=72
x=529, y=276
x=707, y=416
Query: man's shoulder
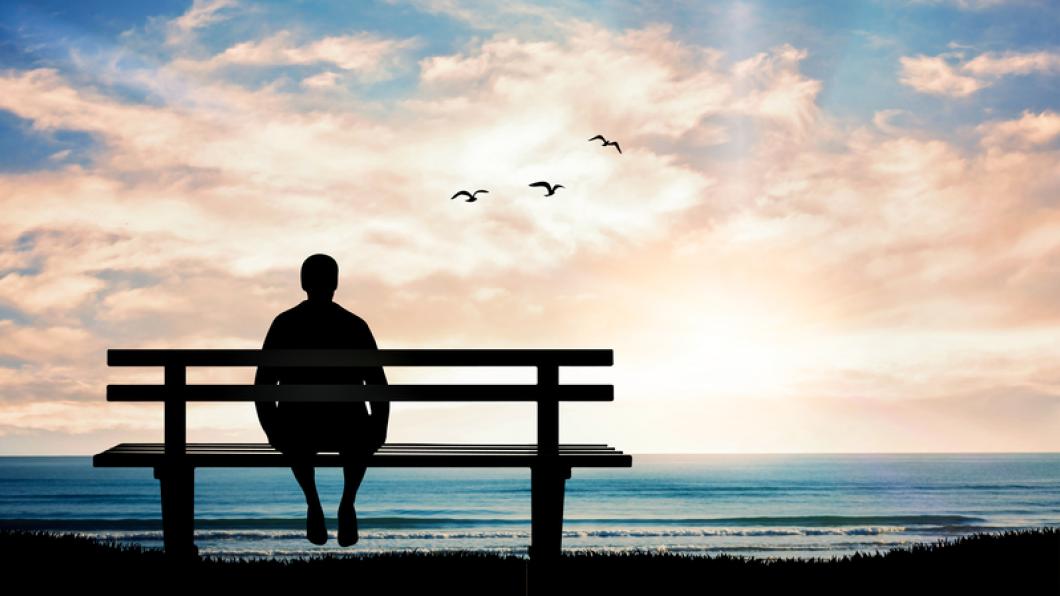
x=291, y=313
x=305, y=313
x=349, y=317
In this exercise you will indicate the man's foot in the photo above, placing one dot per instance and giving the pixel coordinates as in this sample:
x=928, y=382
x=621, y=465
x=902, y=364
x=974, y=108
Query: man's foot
x=315, y=530
x=347, y=526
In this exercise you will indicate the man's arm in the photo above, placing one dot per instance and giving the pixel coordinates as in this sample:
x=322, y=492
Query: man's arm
x=267, y=375
x=375, y=376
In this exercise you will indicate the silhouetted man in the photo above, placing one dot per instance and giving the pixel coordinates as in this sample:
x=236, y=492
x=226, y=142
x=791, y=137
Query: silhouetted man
x=302, y=429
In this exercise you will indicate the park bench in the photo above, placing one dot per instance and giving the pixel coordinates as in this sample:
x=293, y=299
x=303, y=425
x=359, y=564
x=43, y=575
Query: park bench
x=174, y=461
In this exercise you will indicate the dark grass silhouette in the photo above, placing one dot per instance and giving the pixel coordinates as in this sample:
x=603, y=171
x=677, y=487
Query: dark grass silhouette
x=1014, y=562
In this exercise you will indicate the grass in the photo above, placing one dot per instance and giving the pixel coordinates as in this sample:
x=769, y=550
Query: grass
x=1013, y=562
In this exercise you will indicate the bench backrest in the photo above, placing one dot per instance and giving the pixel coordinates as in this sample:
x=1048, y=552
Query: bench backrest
x=175, y=392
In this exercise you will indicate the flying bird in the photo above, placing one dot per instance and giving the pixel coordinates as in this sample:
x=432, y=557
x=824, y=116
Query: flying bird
x=606, y=142
x=471, y=198
x=551, y=189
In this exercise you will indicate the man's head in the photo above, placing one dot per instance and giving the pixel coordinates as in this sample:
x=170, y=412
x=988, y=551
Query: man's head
x=320, y=276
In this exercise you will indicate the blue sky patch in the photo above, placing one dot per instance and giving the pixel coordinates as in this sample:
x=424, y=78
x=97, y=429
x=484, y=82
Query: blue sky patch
x=26, y=149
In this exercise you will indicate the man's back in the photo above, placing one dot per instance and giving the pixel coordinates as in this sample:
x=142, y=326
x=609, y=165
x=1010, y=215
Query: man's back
x=319, y=325
x=324, y=326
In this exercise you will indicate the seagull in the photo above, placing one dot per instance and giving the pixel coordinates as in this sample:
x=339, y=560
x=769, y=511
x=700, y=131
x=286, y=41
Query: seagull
x=551, y=189
x=471, y=198
x=606, y=142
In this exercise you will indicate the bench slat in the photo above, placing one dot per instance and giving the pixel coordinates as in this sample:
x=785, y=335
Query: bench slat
x=339, y=393
x=378, y=461
x=395, y=446
x=391, y=445
x=389, y=449
x=381, y=357
x=381, y=453
x=158, y=447
x=438, y=455
x=484, y=451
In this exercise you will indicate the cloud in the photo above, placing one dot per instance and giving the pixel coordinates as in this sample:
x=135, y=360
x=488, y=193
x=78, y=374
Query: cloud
x=36, y=294
x=997, y=64
x=52, y=344
x=369, y=56
x=664, y=87
x=779, y=91
x=324, y=80
x=935, y=74
x=79, y=418
x=1028, y=130
x=883, y=120
x=202, y=13
x=977, y=5
x=875, y=40
x=534, y=19
x=137, y=302
x=217, y=151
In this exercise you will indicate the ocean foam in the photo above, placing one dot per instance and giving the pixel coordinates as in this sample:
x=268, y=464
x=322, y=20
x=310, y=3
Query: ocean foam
x=242, y=534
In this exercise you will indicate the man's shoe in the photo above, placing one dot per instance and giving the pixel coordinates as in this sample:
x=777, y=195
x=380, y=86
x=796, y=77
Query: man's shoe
x=348, y=526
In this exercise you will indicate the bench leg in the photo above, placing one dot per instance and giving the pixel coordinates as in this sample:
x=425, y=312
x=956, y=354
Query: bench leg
x=178, y=510
x=546, y=528
x=546, y=511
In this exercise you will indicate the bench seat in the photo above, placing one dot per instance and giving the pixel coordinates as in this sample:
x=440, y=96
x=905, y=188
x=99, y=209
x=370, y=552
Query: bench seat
x=391, y=455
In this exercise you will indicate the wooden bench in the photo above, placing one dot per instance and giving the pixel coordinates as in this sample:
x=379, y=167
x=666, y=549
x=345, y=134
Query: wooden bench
x=175, y=460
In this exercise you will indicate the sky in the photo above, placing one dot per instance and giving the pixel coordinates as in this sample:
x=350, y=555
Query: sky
x=833, y=226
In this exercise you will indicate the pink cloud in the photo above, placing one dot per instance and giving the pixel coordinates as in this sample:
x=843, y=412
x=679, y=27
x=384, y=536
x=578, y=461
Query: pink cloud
x=324, y=80
x=933, y=74
x=1013, y=63
x=1028, y=130
x=936, y=75
x=369, y=56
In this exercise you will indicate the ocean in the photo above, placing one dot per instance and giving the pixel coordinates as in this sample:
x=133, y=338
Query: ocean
x=753, y=505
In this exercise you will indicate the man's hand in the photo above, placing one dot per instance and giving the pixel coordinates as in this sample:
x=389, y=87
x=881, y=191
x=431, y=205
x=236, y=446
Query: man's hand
x=268, y=416
x=379, y=421
x=377, y=434
x=276, y=439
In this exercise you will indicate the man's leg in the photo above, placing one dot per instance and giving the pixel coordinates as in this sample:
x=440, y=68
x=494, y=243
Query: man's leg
x=353, y=474
x=316, y=531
